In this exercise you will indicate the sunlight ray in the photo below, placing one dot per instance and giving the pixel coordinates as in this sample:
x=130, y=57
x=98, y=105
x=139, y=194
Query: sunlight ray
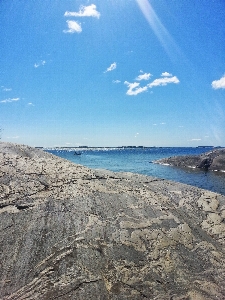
x=158, y=28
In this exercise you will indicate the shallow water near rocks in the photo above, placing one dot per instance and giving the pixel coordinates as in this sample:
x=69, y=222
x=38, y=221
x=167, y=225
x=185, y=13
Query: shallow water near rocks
x=142, y=161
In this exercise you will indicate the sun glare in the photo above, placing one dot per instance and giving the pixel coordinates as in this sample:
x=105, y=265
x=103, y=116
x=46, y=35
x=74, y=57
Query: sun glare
x=158, y=28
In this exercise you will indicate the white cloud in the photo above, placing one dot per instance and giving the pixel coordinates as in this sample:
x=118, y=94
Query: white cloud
x=30, y=103
x=6, y=89
x=116, y=81
x=10, y=100
x=12, y=137
x=85, y=11
x=41, y=63
x=134, y=88
x=112, y=67
x=219, y=84
x=192, y=140
x=132, y=85
x=144, y=76
x=163, y=81
x=73, y=27
x=163, y=123
x=166, y=74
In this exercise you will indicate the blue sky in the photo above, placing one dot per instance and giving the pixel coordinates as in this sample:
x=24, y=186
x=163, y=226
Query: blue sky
x=112, y=72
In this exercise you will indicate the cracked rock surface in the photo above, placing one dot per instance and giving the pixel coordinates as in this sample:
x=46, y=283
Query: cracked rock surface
x=69, y=232
x=213, y=161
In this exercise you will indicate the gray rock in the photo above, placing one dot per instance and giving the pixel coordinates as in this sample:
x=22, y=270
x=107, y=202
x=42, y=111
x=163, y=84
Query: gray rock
x=69, y=232
x=212, y=161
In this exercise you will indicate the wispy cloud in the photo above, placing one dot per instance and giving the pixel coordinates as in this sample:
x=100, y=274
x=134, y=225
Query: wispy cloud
x=166, y=74
x=85, y=11
x=134, y=88
x=163, y=81
x=73, y=27
x=30, y=103
x=145, y=76
x=116, y=81
x=162, y=123
x=111, y=67
x=219, y=84
x=41, y=63
x=12, y=137
x=193, y=140
x=5, y=89
x=10, y=100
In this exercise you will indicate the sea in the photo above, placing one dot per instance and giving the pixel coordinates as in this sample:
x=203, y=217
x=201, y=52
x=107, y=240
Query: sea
x=141, y=161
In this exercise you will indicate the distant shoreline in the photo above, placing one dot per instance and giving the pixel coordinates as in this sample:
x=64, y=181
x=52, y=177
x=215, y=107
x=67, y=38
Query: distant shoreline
x=120, y=147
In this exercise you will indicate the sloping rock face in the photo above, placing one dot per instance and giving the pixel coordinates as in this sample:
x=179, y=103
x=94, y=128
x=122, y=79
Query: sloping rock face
x=213, y=160
x=68, y=232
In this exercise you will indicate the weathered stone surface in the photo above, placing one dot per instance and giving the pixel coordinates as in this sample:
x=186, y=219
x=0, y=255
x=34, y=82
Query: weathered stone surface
x=68, y=232
x=213, y=160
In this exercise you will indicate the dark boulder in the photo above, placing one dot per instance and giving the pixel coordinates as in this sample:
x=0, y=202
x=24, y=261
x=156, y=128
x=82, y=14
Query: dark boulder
x=213, y=160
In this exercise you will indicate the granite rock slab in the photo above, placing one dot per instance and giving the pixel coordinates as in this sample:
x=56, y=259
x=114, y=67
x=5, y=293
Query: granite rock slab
x=69, y=232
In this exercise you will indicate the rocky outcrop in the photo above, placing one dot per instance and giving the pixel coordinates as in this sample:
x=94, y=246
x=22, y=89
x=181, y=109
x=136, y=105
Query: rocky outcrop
x=68, y=232
x=213, y=160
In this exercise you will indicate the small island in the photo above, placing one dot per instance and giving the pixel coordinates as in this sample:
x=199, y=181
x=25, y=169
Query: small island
x=213, y=160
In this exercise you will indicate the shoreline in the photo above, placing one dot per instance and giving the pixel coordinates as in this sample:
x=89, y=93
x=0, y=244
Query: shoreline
x=213, y=160
x=189, y=167
x=71, y=232
x=86, y=148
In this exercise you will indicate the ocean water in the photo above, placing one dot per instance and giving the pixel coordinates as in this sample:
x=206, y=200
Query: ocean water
x=138, y=160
